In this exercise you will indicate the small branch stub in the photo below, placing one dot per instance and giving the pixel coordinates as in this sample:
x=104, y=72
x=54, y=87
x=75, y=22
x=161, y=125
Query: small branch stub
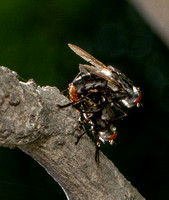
x=31, y=121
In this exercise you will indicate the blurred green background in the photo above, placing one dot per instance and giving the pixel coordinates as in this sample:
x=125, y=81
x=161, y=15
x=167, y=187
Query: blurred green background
x=33, y=42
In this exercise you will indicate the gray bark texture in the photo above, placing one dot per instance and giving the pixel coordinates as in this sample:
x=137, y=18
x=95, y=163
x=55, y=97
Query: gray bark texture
x=30, y=120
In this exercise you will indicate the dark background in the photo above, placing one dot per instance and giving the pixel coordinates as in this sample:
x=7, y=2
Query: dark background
x=33, y=41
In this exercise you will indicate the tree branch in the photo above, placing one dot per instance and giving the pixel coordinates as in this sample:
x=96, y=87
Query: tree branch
x=31, y=121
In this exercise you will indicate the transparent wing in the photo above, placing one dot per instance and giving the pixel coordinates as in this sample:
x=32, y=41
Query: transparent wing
x=86, y=56
x=97, y=67
x=103, y=74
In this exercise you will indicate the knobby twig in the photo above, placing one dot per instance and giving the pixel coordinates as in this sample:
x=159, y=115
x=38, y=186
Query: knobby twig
x=30, y=120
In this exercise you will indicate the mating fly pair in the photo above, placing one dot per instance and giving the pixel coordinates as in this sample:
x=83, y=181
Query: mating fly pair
x=97, y=92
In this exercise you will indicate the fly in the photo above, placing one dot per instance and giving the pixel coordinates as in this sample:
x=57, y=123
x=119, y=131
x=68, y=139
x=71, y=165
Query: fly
x=97, y=92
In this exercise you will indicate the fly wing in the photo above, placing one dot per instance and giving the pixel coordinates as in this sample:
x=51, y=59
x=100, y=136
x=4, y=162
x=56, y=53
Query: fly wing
x=86, y=56
x=100, y=69
x=103, y=73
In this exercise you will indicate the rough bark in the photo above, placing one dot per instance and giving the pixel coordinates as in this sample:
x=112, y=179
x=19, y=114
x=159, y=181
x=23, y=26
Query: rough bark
x=30, y=120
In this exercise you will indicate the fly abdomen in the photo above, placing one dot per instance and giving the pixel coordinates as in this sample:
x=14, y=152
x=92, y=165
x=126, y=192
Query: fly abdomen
x=87, y=82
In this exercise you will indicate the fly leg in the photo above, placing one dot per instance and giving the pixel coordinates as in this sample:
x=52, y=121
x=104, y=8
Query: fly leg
x=97, y=152
x=64, y=91
x=79, y=137
x=64, y=106
x=74, y=102
x=70, y=103
x=119, y=107
x=82, y=122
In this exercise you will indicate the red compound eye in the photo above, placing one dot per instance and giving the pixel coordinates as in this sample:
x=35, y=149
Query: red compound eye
x=138, y=99
x=112, y=137
x=73, y=93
